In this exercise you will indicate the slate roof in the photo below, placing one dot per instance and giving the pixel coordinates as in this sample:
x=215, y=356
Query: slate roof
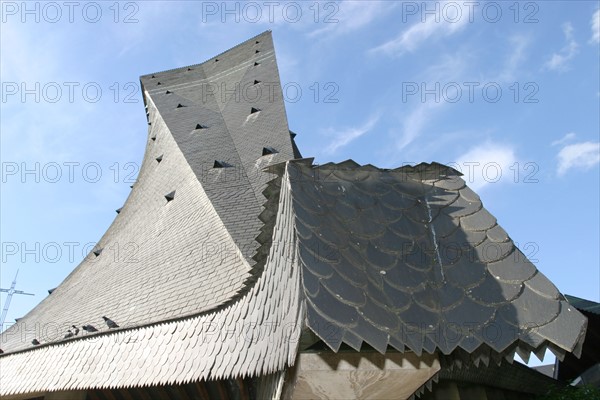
x=224, y=252
x=410, y=258
x=162, y=259
x=257, y=334
x=583, y=304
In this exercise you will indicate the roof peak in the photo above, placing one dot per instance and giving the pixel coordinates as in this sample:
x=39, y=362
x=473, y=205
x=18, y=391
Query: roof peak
x=191, y=66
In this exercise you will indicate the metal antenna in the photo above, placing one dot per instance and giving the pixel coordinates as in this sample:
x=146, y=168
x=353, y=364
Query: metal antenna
x=10, y=292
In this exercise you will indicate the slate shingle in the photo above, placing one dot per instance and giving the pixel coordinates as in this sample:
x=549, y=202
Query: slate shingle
x=431, y=257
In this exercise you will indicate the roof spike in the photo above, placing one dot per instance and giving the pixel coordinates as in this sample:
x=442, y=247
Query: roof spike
x=170, y=196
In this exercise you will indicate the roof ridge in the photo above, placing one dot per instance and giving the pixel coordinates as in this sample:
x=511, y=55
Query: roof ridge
x=350, y=164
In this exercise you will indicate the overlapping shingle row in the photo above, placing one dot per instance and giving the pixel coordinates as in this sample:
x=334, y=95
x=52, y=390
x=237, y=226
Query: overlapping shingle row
x=257, y=334
x=410, y=258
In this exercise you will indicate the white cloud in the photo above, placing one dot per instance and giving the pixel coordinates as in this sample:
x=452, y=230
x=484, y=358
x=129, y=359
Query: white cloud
x=350, y=16
x=410, y=39
x=595, y=27
x=486, y=163
x=568, y=137
x=559, y=61
x=344, y=137
x=582, y=155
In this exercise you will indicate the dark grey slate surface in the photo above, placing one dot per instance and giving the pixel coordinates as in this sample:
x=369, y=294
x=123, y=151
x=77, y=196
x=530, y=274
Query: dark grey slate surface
x=410, y=258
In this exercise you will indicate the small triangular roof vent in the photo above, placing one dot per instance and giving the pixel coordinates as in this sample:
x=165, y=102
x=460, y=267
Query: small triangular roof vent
x=256, y=82
x=170, y=196
x=118, y=210
x=97, y=252
x=168, y=92
x=268, y=150
x=221, y=164
x=199, y=126
x=159, y=158
x=256, y=64
x=180, y=105
x=257, y=51
x=254, y=110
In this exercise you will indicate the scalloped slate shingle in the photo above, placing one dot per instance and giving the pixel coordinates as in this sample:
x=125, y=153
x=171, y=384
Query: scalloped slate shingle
x=410, y=258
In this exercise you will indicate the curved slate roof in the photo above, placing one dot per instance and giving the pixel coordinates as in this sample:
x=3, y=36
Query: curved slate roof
x=256, y=334
x=411, y=258
x=185, y=240
x=224, y=252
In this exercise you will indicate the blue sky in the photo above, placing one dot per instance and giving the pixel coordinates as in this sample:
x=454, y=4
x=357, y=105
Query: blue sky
x=506, y=92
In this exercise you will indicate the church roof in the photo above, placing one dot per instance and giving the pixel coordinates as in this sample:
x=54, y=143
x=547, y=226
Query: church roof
x=229, y=246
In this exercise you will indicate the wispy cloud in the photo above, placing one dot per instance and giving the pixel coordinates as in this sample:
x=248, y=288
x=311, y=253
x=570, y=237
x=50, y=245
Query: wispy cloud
x=582, y=155
x=567, y=138
x=559, y=61
x=410, y=39
x=486, y=163
x=595, y=27
x=346, y=136
x=414, y=123
x=519, y=45
x=420, y=115
x=351, y=16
